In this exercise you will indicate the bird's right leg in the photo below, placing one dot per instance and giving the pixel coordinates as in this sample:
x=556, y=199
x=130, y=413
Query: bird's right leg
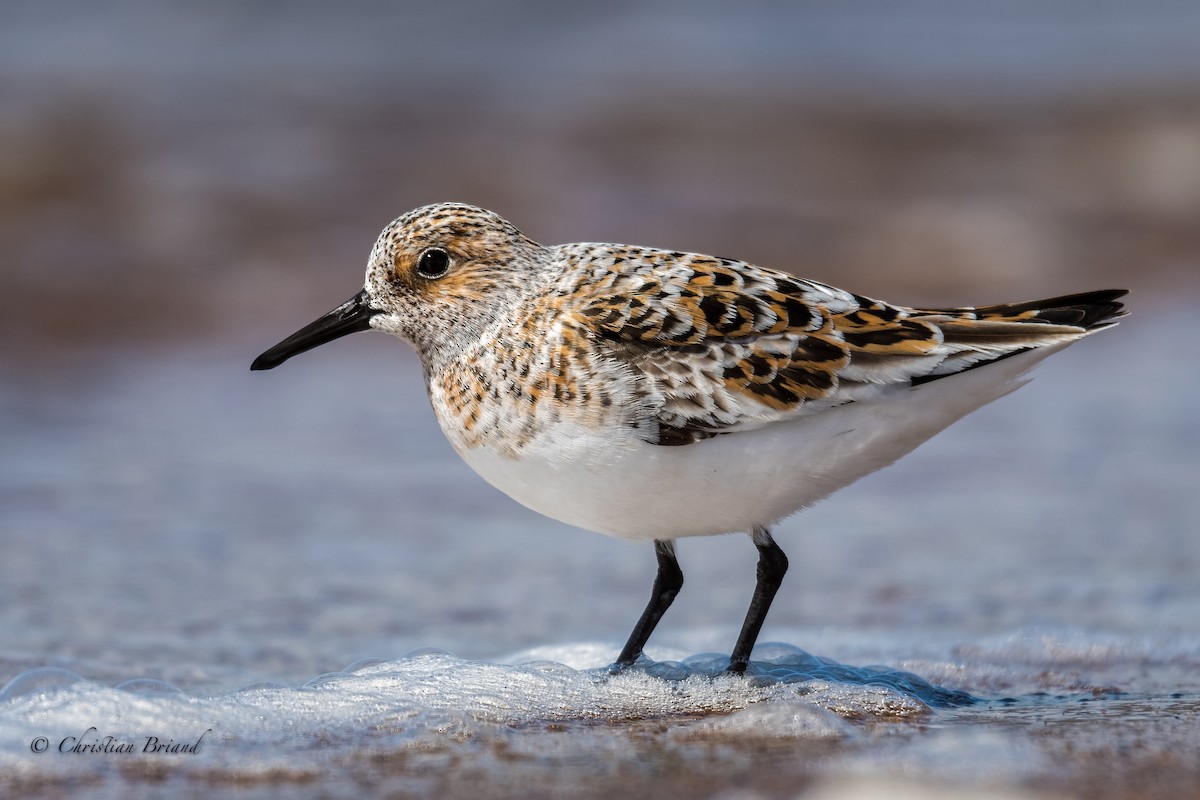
x=667, y=583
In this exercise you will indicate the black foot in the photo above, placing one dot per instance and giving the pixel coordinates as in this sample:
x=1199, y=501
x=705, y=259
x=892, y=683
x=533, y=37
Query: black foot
x=616, y=668
x=667, y=583
x=772, y=565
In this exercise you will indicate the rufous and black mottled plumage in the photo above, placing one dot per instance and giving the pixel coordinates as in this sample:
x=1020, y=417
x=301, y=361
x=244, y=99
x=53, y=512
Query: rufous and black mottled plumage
x=656, y=394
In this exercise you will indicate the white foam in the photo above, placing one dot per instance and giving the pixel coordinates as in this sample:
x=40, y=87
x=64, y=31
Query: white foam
x=430, y=700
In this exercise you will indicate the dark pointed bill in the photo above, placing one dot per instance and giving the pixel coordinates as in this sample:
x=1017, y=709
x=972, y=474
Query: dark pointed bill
x=352, y=316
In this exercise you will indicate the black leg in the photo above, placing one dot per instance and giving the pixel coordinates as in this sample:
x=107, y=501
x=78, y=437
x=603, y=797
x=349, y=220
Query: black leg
x=772, y=565
x=667, y=583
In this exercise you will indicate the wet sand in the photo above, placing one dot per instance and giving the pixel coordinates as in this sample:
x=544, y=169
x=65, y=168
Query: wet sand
x=177, y=518
x=179, y=189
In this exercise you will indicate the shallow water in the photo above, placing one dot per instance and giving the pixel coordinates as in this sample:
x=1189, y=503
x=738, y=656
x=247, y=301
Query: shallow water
x=296, y=568
x=189, y=547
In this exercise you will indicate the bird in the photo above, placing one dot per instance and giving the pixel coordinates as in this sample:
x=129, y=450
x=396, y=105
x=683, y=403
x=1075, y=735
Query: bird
x=654, y=395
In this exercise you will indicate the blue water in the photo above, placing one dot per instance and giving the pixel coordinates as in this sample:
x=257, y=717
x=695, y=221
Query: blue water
x=868, y=44
x=188, y=546
x=295, y=571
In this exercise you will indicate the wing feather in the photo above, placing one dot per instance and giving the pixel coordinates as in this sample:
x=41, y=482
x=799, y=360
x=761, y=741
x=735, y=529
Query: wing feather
x=723, y=345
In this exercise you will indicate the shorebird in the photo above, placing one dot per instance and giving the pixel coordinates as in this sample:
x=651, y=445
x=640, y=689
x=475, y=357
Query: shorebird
x=655, y=394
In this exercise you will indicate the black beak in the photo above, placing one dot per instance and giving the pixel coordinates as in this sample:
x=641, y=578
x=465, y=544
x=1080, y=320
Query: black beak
x=352, y=316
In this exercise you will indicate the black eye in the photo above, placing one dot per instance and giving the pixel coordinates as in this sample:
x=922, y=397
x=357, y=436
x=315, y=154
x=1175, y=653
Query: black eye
x=433, y=263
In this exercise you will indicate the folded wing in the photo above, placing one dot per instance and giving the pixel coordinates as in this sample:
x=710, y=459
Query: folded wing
x=724, y=346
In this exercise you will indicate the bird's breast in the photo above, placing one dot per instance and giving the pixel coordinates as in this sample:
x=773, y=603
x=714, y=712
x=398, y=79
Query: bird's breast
x=506, y=398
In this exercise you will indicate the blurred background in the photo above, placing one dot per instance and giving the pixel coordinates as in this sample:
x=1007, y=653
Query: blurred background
x=184, y=183
x=187, y=170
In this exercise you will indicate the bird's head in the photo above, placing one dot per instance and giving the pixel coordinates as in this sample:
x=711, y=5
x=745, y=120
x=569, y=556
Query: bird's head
x=438, y=276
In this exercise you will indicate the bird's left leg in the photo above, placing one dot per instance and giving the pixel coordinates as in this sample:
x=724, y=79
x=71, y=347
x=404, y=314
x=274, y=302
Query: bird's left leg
x=772, y=566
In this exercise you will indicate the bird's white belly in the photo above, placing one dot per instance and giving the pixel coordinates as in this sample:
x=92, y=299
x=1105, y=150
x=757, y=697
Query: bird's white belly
x=632, y=489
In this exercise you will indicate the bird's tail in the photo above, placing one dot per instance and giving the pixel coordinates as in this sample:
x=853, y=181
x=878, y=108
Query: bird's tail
x=973, y=337
x=1087, y=310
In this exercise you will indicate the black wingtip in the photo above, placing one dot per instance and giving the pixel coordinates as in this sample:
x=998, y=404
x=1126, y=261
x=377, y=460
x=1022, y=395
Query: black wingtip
x=1093, y=309
x=1087, y=310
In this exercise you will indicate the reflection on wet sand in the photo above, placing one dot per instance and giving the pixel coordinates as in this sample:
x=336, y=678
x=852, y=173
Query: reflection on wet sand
x=179, y=181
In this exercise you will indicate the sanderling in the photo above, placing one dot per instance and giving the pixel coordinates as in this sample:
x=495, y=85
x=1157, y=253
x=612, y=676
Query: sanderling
x=655, y=394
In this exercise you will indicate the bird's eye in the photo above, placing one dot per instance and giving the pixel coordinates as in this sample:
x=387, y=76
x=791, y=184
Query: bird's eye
x=433, y=263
